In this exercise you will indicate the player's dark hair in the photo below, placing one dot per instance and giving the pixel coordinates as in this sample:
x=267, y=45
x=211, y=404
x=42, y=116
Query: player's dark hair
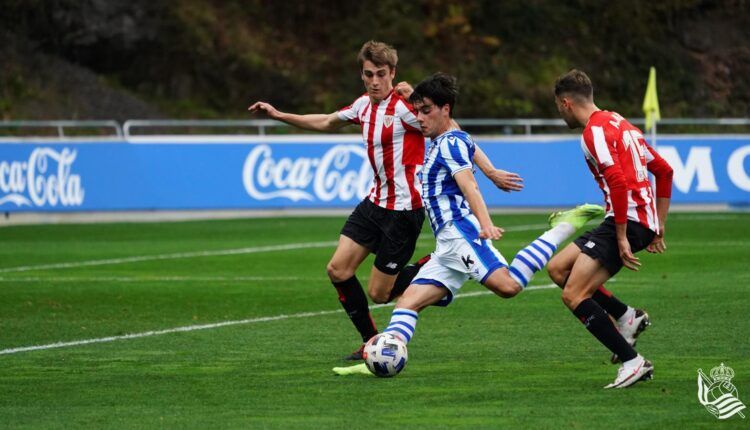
x=576, y=84
x=381, y=54
x=441, y=88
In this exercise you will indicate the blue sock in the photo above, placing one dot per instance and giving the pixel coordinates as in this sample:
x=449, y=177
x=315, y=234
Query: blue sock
x=403, y=322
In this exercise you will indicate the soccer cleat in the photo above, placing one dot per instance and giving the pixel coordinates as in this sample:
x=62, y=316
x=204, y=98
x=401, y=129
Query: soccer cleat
x=578, y=216
x=357, y=369
x=637, y=369
x=631, y=329
x=356, y=355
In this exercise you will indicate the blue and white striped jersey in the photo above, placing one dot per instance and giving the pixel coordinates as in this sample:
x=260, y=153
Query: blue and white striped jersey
x=449, y=153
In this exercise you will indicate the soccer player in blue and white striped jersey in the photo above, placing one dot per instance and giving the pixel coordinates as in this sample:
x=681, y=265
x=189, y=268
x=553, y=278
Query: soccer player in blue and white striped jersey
x=460, y=220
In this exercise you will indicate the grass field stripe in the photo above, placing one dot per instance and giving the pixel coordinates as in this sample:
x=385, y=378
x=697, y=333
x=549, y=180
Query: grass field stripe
x=177, y=255
x=162, y=279
x=219, y=252
x=526, y=227
x=217, y=325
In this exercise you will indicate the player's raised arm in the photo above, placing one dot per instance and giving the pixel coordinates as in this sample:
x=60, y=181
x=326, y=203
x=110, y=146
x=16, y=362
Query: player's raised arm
x=315, y=122
x=506, y=181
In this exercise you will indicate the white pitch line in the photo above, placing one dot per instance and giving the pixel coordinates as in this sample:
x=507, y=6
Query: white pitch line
x=217, y=325
x=218, y=252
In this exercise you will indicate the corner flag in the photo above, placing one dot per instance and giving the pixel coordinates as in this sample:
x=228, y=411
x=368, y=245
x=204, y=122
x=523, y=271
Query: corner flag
x=651, y=101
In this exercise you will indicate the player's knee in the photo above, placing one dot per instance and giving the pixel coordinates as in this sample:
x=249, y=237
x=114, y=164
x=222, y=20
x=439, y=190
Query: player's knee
x=505, y=288
x=571, y=298
x=377, y=294
x=336, y=273
x=557, y=272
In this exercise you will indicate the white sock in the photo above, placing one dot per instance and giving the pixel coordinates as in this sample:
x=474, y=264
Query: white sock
x=559, y=233
x=532, y=259
x=633, y=362
x=403, y=323
x=626, y=316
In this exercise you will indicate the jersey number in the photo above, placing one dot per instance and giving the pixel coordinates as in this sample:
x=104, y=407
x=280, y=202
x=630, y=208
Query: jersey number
x=632, y=140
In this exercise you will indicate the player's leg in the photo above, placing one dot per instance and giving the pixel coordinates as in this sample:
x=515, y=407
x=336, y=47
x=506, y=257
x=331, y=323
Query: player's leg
x=359, y=237
x=405, y=276
x=559, y=268
x=403, y=319
x=585, y=277
x=435, y=284
x=406, y=313
x=630, y=322
x=391, y=273
x=341, y=271
x=535, y=256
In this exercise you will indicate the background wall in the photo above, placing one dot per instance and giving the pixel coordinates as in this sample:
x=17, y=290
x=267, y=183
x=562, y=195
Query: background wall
x=321, y=172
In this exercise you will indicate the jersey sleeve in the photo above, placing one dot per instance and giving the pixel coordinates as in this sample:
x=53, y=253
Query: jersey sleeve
x=408, y=116
x=457, y=153
x=351, y=113
x=661, y=170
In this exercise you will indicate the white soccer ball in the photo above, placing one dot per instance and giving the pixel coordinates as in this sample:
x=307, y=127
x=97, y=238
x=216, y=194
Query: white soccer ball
x=385, y=355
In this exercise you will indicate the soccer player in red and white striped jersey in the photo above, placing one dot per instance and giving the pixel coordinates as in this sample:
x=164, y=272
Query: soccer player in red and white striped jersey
x=620, y=161
x=388, y=221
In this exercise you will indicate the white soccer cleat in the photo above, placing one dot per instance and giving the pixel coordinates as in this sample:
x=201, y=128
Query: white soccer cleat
x=632, y=371
x=630, y=326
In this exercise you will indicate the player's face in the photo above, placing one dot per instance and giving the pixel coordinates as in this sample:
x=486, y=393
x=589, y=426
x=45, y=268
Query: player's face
x=433, y=120
x=378, y=79
x=565, y=108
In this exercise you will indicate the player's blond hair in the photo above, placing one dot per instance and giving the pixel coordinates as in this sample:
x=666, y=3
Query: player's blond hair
x=379, y=53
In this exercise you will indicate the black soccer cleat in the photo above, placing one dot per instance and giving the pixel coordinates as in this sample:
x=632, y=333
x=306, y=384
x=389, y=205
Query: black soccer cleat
x=356, y=355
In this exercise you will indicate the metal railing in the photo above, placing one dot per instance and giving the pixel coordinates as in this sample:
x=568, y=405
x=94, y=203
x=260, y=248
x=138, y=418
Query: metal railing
x=188, y=126
x=58, y=128
x=144, y=128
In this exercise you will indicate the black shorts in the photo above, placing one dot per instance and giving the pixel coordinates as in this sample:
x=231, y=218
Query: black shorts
x=601, y=243
x=390, y=235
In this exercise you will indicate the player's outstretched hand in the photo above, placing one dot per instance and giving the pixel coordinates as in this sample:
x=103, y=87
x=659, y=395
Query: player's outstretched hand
x=657, y=246
x=628, y=259
x=403, y=89
x=267, y=108
x=492, y=232
x=506, y=181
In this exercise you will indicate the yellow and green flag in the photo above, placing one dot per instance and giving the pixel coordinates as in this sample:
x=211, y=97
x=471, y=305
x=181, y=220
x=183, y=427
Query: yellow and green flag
x=651, y=101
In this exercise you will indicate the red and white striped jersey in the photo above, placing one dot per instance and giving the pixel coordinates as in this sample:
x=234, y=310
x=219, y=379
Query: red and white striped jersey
x=609, y=140
x=395, y=148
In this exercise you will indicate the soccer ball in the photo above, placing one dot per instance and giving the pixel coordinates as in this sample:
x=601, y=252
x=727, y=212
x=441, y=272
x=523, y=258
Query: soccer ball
x=385, y=355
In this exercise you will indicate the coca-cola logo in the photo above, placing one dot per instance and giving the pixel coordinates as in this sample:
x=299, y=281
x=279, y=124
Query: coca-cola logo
x=342, y=173
x=45, y=179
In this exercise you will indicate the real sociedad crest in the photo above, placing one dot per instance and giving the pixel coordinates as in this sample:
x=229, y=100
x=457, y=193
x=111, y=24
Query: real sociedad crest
x=388, y=121
x=718, y=394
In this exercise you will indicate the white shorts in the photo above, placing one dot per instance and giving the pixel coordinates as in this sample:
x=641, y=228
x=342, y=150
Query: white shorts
x=459, y=255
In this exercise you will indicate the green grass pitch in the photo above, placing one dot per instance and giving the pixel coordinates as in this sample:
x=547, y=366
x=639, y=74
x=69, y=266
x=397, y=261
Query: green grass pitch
x=483, y=362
